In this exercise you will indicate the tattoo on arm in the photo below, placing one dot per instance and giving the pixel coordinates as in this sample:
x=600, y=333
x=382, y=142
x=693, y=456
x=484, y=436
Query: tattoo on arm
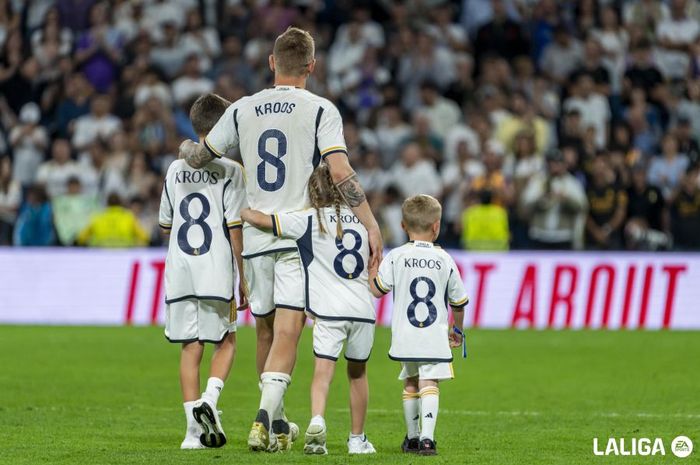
x=198, y=157
x=351, y=190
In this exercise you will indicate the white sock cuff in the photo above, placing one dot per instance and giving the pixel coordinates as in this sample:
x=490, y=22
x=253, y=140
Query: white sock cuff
x=429, y=391
x=318, y=420
x=189, y=405
x=214, y=382
x=276, y=377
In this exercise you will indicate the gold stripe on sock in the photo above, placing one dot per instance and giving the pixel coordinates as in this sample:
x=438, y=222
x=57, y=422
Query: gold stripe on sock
x=410, y=395
x=429, y=391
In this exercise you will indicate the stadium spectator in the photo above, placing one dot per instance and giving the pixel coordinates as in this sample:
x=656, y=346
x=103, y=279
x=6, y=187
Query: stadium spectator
x=685, y=211
x=561, y=57
x=666, y=169
x=501, y=35
x=592, y=106
x=413, y=174
x=34, y=225
x=647, y=225
x=28, y=140
x=555, y=203
x=99, y=49
x=607, y=207
x=10, y=198
x=485, y=225
x=99, y=123
x=72, y=211
x=443, y=114
x=675, y=36
x=192, y=83
x=116, y=226
x=55, y=173
x=523, y=116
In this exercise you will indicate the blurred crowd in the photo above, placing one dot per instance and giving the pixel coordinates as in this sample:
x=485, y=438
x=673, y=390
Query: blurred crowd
x=538, y=123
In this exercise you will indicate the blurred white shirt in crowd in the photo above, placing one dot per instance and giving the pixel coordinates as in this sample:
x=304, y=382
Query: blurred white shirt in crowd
x=54, y=176
x=88, y=128
x=185, y=88
x=421, y=178
x=674, y=64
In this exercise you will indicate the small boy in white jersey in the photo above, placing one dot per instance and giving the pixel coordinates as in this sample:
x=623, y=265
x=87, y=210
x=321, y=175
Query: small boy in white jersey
x=202, y=209
x=424, y=279
x=334, y=252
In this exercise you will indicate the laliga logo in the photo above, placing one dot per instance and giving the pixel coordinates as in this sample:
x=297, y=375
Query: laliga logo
x=681, y=447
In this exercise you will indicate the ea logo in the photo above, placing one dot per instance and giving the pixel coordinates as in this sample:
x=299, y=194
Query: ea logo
x=682, y=446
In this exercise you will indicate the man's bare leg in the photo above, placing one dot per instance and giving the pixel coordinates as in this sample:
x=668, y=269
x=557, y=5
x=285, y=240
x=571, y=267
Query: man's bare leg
x=264, y=332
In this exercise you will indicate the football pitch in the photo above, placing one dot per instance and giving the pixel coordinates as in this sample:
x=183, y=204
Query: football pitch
x=111, y=396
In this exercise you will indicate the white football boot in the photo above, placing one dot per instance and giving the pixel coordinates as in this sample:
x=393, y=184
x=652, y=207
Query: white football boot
x=315, y=440
x=360, y=445
x=206, y=415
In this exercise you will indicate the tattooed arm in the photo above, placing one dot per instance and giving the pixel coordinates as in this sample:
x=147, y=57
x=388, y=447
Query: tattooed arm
x=349, y=186
x=196, y=155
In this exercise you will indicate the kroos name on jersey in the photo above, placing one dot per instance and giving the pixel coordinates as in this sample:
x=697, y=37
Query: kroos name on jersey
x=198, y=176
x=276, y=107
x=422, y=263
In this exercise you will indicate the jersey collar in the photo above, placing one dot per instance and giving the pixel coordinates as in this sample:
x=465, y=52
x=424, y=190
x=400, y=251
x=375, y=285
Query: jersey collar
x=426, y=244
x=286, y=87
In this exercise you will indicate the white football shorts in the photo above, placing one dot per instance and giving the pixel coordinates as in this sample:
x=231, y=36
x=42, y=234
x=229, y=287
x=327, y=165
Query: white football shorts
x=329, y=336
x=426, y=370
x=274, y=280
x=192, y=320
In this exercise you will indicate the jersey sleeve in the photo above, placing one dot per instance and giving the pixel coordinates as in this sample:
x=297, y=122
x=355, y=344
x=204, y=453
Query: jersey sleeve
x=292, y=225
x=456, y=294
x=165, y=215
x=329, y=133
x=234, y=199
x=224, y=135
x=384, y=281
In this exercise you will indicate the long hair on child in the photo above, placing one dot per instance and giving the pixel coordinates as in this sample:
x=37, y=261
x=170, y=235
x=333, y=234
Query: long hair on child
x=323, y=193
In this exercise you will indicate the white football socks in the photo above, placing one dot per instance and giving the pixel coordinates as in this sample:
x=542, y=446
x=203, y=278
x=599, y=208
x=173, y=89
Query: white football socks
x=429, y=402
x=213, y=390
x=411, y=413
x=274, y=386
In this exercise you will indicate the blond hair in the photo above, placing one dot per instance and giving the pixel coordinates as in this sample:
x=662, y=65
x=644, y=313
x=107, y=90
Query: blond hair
x=323, y=193
x=420, y=213
x=293, y=51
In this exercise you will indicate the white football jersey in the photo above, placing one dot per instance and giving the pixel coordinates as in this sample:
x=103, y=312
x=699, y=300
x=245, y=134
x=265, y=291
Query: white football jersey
x=337, y=281
x=199, y=206
x=425, y=280
x=282, y=134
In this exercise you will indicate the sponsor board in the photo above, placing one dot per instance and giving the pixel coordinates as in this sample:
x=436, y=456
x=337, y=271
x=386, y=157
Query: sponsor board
x=512, y=290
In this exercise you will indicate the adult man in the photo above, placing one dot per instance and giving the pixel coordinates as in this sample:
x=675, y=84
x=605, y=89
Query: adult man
x=282, y=134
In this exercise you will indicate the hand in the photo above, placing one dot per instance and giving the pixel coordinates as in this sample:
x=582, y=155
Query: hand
x=242, y=295
x=455, y=339
x=376, y=247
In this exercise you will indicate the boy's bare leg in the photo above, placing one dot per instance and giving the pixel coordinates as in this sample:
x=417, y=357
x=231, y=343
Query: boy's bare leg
x=190, y=358
x=264, y=333
x=323, y=375
x=223, y=356
x=359, y=396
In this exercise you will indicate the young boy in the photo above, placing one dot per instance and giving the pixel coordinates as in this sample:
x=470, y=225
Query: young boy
x=334, y=251
x=202, y=209
x=424, y=279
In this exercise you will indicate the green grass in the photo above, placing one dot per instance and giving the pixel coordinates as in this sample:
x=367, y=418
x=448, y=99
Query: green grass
x=111, y=396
